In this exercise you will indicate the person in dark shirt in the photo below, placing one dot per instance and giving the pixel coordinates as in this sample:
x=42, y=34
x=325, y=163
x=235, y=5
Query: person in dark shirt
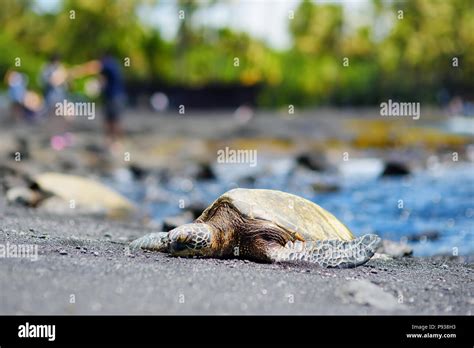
x=113, y=93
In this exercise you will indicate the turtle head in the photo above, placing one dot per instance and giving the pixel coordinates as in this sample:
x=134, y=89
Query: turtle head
x=191, y=240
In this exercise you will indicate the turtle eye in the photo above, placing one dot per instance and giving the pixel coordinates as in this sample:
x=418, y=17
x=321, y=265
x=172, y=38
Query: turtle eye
x=182, y=239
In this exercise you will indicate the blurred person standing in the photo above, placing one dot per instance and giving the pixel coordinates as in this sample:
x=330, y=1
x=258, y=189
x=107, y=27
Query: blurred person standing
x=16, y=83
x=25, y=104
x=113, y=94
x=54, y=80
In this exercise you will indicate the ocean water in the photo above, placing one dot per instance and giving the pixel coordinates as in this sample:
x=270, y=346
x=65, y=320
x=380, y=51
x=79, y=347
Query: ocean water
x=439, y=201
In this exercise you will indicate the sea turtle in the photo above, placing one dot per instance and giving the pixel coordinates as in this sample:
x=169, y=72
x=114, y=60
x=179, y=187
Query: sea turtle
x=265, y=226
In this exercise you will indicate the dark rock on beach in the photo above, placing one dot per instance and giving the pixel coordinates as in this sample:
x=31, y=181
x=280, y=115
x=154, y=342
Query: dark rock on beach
x=395, y=169
x=312, y=161
x=424, y=236
x=204, y=172
x=137, y=171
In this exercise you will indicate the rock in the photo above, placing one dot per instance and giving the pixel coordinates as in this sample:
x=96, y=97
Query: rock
x=314, y=161
x=85, y=193
x=247, y=181
x=366, y=293
x=383, y=257
x=174, y=221
x=325, y=187
x=62, y=252
x=424, y=236
x=137, y=171
x=204, y=172
x=23, y=196
x=9, y=181
x=22, y=147
x=395, y=249
x=395, y=169
x=95, y=148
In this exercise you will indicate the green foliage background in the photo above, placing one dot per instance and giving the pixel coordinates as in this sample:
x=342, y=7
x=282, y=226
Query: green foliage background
x=413, y=60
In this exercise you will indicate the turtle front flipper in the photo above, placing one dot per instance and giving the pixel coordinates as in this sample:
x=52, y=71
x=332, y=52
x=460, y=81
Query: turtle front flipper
x=328, y=253
x=156, y=241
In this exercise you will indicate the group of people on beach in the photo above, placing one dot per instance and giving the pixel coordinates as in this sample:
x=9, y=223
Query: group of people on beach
x=55, y=79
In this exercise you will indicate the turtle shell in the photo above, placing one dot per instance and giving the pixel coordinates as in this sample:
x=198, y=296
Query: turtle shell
x=287, y=211
x=85, y=192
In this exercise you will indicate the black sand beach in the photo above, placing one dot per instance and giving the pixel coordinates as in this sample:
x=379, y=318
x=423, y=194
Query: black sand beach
x=87, y=260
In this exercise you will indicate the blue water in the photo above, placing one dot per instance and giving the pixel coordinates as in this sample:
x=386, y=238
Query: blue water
x=440, y=199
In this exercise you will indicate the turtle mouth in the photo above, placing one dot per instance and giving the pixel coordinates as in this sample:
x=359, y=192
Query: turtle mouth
x=177, y=247
x=189, y=240
x=180, y=244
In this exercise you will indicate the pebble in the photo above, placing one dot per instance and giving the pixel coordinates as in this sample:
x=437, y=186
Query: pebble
x=62, y=252
x=96, y=253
